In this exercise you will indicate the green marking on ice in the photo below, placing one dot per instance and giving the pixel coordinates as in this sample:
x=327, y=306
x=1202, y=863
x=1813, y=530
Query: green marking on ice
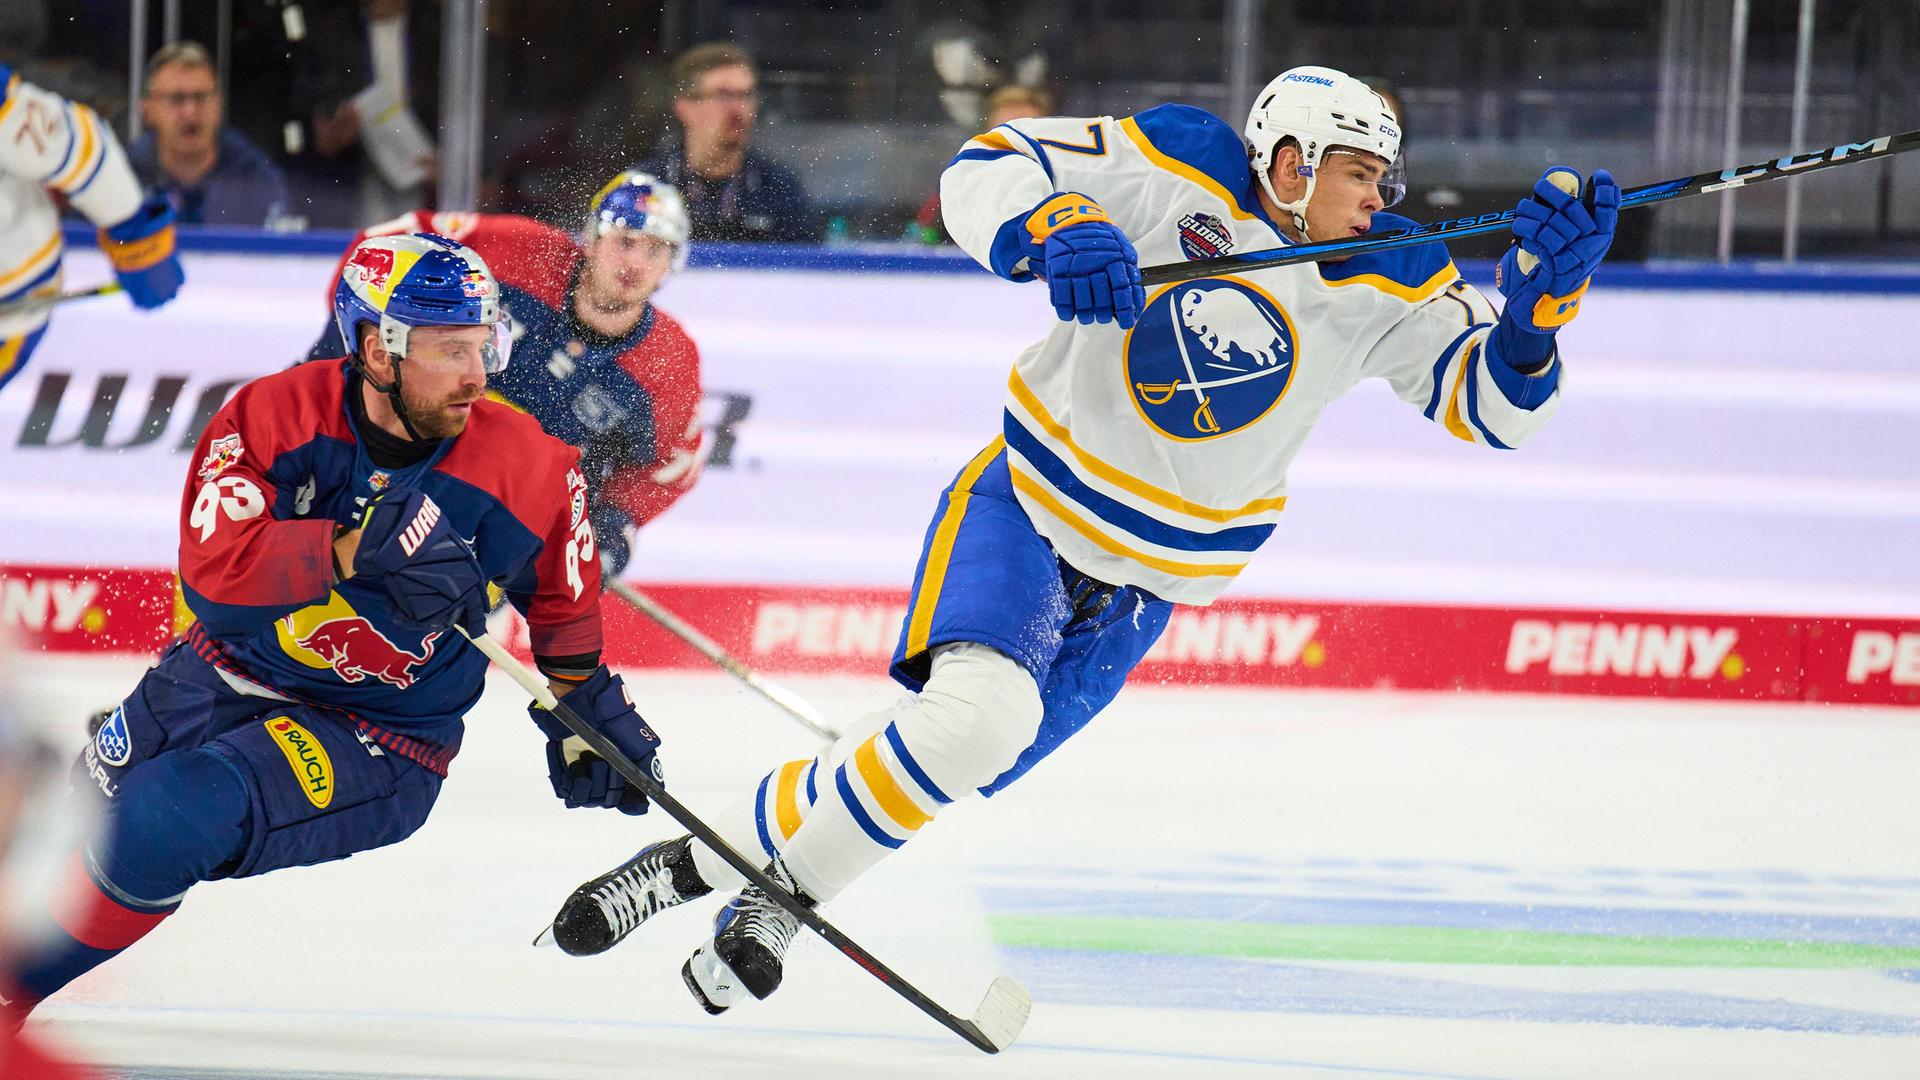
x=1430, y=945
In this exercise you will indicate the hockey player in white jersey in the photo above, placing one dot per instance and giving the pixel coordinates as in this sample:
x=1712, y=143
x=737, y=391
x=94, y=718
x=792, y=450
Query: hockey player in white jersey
x=51, y=148
x=1143, y=456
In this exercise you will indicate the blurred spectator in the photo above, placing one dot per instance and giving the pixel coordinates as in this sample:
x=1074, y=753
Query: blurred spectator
x=1004, y=104
x=210, y=173
x=733, y=192
x=364, y=94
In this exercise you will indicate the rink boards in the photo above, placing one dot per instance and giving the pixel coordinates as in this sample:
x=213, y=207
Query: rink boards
x=1724, y=508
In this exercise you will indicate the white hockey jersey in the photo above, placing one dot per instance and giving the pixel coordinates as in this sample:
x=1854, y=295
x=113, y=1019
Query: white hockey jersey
x=49, y=144
x=1158, y=456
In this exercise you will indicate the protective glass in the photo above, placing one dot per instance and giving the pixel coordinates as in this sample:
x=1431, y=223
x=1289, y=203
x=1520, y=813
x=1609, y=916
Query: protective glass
x=494, y=354
x=1392, y=183
x=1393, y=186
x=441, y=356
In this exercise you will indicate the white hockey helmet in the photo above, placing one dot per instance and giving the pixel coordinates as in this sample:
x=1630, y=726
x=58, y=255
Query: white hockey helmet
x=1323, y=110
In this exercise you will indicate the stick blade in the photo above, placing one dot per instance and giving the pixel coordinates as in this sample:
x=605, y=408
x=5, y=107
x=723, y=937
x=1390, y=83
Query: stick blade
x=1002, y=1013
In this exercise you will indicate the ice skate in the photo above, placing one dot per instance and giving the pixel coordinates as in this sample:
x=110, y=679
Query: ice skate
x=748, y=951
x=605, y=910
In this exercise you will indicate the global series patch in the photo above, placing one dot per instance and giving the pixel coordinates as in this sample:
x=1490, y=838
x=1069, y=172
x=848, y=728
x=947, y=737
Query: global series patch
x=1204, y=236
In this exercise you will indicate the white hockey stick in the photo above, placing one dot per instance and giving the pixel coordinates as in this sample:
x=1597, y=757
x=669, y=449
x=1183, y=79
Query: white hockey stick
x=786, y=700
x=993, y=1026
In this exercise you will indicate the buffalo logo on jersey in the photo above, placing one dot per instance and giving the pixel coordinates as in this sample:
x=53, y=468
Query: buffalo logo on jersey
x=1204, y=236
x=113, y=742
x=1209, y=358
x=306, y=757
x=223, y=453
x=332, y=635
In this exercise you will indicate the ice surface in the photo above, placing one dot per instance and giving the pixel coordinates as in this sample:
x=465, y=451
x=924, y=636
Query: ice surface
x=1205, y=883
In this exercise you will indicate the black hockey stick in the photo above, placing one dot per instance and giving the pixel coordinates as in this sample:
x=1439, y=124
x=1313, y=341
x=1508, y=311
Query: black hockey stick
x=786, y=700
x=993, y=1026
x=1455, y=228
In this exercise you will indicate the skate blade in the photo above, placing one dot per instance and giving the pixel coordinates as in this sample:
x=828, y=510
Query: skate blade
x=699, y=995
x=544, y=939
x=1003, y=1013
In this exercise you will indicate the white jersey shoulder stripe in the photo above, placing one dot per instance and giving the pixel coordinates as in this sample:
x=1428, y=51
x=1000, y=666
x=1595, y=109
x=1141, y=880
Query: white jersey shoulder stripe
x=1183, y=170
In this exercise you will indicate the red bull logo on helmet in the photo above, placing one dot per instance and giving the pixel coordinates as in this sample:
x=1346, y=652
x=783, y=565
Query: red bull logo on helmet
x=374, y=265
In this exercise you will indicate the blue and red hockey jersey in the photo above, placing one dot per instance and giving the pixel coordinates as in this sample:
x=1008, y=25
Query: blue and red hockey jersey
x=282, y=464
x=631, y=405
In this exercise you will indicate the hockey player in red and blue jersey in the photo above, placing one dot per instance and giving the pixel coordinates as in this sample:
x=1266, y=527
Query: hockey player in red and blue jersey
x=603, y=368
x=339, y=531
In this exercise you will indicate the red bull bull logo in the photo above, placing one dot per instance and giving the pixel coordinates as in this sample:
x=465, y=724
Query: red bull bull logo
x=375, y=265
x=357, y=651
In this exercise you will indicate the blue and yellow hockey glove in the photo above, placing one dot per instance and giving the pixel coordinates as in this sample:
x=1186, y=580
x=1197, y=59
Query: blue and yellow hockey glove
x=430, y=572
x=1092, y=271
x=578, y=775
x=141, y=250
x=1559, y=240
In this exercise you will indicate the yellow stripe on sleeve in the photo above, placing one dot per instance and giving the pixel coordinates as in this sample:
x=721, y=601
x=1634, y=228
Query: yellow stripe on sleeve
x=1182, y=169
x=10, y=354
x=87, y=122
x=992, y=140
x=7, y=99
x=35, y=262
x=920, y=624
x=786, y=805
x=886, y=790
x=1126, y=481
x=1108, y=544
x=1413, y=294
x=1455, y=422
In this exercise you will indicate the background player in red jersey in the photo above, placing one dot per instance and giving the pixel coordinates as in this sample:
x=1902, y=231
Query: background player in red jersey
x=343, y=523
x=602, y=367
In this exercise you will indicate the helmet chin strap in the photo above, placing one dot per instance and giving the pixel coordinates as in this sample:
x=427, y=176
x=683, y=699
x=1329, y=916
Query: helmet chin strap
x=392, y=390
x=1297, y=208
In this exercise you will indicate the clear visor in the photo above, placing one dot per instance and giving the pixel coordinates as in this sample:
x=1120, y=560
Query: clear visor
x=447, y=352
x=1392, y=183
x=494, y=354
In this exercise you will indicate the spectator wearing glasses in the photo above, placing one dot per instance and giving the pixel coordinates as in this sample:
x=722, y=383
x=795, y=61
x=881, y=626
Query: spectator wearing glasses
x=209, y=172
x=733, y=192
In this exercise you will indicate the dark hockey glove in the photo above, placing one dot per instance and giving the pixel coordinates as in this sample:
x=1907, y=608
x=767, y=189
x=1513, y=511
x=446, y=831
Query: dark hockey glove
x=579, y=776
x=1559, y=240
x=1092, y=271
x=429, y=571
